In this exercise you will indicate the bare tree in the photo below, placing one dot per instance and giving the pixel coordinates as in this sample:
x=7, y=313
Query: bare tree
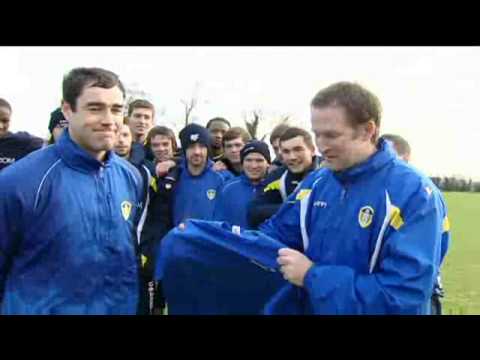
x=252, y=125
x=189, y=105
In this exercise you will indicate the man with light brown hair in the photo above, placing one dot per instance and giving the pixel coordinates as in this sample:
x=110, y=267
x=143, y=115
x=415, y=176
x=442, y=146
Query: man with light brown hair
x=233, y=141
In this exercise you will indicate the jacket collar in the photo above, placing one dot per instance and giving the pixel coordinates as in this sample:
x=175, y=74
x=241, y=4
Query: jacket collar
x=384, y=155
x=77, y=158
x=244, y=178
x=184, y=167
x=137, y=154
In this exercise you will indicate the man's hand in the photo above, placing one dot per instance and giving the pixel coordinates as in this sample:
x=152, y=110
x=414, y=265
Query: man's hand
x=293, y=265
x=219, y=165
x=162, y=167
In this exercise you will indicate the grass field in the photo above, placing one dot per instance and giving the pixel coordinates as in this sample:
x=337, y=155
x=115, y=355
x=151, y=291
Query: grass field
x=461, y=271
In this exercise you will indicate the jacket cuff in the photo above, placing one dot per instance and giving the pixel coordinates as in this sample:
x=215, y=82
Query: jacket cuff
x=309, y=278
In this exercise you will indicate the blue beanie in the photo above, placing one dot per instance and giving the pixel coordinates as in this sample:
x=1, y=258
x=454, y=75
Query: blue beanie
x=192, y=134
x=255, y=146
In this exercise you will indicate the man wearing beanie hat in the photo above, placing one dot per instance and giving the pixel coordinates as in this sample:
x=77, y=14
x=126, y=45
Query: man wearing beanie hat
x=237, y=193
x=56, y=125
x=191, y=188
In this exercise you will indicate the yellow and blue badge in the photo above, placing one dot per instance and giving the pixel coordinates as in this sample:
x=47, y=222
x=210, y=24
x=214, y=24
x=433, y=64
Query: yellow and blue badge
x=365, y=216
x=126, y=209
x=211, y=194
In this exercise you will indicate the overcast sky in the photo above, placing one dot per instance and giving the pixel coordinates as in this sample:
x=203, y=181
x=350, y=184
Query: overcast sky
x=430, y=95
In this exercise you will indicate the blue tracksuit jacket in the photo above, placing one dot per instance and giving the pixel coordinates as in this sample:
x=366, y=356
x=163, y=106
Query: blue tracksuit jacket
x=233, y=200
x=68, y=233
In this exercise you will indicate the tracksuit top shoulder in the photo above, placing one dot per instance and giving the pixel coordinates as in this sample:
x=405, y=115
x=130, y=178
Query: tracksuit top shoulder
x=233, y=200
x=194, y=197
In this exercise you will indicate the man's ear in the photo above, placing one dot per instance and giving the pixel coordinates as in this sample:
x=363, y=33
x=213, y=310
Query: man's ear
x=369, y=130
x=67, y=110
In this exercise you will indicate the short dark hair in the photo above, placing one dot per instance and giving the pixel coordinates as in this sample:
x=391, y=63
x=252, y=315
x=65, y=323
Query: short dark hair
x=79, y=78
x=401, y=145
x=293, y=132
x=161, y=130
x=218, y=119
x=360, y=104
x=236, y=132
x=277, y=132
x=5, y=103
x=140, y=103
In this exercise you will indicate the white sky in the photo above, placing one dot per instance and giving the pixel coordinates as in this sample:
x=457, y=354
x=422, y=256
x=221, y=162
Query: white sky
x=430, y=95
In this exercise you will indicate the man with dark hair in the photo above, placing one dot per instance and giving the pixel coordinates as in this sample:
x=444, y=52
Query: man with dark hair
x=402, y=147
x=141, y=115
x=217, y=127
x=57, y=125
x=68, y=234
x=298, y=153
x=233, y=141
x=14, y=146
x=162, y=143
x=275, y=143
x=237, y=193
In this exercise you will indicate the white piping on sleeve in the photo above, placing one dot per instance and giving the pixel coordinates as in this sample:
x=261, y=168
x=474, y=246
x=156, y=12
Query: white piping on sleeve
x=283, y=187
x=386, y=221
x=303, y=217
x=303, y=226
x=37, y=196
x=141, y=223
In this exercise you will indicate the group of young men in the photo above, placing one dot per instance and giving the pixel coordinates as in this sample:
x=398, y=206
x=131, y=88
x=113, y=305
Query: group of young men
x=95, y=223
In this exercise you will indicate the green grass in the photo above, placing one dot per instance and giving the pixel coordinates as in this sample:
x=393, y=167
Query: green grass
x=461, y=270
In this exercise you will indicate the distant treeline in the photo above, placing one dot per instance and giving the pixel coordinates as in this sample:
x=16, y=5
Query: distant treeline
x=453, y=183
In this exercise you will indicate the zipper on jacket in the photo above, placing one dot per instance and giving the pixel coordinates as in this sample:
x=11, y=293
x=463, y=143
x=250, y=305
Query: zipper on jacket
x=344, y=194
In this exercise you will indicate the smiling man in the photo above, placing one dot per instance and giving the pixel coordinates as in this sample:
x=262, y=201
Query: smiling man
x=354, y=229
x=298, y=153
x=67, y=238
x=237, y=193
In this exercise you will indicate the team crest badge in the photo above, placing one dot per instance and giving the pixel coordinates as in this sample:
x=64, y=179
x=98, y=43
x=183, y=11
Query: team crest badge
x=211, y=194
x=365, y=216
x=126, y=209
x=194, y=137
